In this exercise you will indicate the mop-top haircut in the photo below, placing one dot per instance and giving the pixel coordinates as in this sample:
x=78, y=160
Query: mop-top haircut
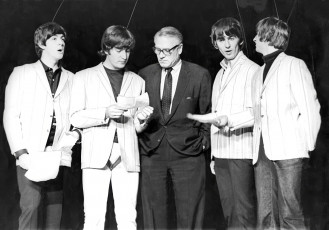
x=274, y=31
x=116, y=36
x=44, y=32
x=228, y=26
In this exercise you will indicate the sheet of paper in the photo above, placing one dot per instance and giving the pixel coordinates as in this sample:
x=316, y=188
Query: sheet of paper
x=133, y=102
x=66, y=141
x=43, y=165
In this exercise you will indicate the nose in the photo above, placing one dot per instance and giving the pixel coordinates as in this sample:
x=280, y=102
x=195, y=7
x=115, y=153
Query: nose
x=161, y=54
x=255, y=38
x=227, y=43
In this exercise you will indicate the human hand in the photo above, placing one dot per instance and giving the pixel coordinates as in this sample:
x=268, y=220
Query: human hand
x=221, y=121
x=66, y=156
x=24, y=161
x=144, y=114
x=212, y=167
x=114, y=111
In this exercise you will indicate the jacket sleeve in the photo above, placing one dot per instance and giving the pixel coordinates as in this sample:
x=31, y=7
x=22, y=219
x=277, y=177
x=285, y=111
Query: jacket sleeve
x=12, y=111
x=80, y=115
x=244, y=118
x=305, y=96
x=205, y=107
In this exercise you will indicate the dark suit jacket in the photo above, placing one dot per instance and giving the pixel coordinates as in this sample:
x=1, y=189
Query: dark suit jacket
x=193, y=95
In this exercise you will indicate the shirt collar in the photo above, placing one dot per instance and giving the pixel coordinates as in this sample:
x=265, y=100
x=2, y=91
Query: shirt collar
x=228, y=64
x=48, y=69
x=271, y=56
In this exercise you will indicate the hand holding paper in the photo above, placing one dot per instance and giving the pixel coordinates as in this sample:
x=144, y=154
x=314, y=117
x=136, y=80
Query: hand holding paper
x=133, y=102
x=144, y=113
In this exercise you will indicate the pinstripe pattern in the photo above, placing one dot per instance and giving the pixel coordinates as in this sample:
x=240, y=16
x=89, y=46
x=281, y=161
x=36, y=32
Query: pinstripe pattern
x=91, y=94
x=232, y=98
x=29, y=107
x=286, y=110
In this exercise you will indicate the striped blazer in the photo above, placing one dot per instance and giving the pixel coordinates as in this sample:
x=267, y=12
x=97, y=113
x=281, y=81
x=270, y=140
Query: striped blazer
x=231, y=96
x=91, y=94
x=29, y=107
x=286, y=110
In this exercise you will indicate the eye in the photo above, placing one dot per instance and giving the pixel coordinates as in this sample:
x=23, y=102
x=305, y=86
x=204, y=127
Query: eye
x=220, y=39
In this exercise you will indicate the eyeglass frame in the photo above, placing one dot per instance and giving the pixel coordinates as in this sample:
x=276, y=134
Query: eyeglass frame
x=169, y=51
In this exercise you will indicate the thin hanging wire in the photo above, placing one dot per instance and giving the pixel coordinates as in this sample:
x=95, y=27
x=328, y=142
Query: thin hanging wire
x=292, y=9
x=132, y=13
x=57, y=10
x=242, y=27
x=276, y=9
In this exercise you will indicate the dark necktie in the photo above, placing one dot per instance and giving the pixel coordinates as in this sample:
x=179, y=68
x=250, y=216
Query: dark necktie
x=166, y=96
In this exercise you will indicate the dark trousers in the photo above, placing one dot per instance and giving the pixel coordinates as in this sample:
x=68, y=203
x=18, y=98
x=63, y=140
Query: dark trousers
x=278, y=186
x=31, y=195
x=188, y=180
x=236, y=186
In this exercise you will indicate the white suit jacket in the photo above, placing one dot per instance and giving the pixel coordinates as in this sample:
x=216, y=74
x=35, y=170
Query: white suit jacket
x=232, y=97
x=286, y=110
x=91, y=94
x=29, y=107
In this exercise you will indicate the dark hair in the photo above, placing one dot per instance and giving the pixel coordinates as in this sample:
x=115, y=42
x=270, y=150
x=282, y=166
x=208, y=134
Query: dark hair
x=44, y=32
x=230, y=27
x=116, y=36
x=274, y=31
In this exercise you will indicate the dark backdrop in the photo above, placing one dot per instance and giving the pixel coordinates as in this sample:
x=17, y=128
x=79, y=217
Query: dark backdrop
x=85, y=21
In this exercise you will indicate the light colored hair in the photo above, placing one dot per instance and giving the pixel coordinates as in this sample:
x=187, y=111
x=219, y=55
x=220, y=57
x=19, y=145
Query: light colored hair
x=274, y=31
x=170, y=32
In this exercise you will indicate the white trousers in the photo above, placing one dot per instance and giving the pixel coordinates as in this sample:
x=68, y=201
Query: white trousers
x=95, y=190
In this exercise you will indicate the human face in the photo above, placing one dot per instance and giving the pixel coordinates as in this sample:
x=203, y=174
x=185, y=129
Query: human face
x=166, y=42
x=261, y=46
x=228, y=46
x=53, y=50
x=117, y=58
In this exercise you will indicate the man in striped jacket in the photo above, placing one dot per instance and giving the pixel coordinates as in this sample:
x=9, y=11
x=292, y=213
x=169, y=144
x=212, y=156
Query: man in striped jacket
x=231, y=146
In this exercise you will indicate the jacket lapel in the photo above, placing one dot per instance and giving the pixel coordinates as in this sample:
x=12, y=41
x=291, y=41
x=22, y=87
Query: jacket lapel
x=232, y=73
x=126, y=82
x=42, y=76
x=62, y=82
x=105, y=80
x=156, y=89
x=272, y=71
x=183, y=81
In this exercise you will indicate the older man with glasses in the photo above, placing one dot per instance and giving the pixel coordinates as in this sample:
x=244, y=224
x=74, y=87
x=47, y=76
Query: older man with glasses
x=172, y=145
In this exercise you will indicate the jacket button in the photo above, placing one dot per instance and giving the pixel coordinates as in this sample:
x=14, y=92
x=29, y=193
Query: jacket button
x=159, y=140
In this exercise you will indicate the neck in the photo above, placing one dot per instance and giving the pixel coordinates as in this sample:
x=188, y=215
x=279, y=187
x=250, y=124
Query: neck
x=51, y=63
x=269, y=50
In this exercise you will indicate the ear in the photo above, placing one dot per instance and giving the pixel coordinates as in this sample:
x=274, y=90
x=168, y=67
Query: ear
x=180, y=49
x=41, y=46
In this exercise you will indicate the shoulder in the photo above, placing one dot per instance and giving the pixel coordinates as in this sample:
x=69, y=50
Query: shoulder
x=134, y=76
x=87, y=71
x=288, y=60
x=194, y=67
x=149, y=69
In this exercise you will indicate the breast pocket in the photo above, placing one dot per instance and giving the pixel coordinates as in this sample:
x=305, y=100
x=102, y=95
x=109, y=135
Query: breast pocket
x=189, y=105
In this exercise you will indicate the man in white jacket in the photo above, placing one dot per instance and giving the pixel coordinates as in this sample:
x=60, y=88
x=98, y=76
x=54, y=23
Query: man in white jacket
x=109, y=139
x=231, y=149
x=287, y=121
x=36, y=117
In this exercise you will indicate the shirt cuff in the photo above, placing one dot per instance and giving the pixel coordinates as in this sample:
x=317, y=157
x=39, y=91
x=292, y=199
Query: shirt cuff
x=20, y=152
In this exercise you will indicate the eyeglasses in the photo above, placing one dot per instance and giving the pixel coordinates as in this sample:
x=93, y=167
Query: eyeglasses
x=166, y=52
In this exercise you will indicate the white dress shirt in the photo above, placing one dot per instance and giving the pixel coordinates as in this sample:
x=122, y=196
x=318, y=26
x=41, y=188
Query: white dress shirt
x=175, y=74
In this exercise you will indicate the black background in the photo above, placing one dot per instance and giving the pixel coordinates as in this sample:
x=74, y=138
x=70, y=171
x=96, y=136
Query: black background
x=85, y=21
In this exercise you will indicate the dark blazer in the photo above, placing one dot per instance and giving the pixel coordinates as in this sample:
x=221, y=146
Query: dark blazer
x=193, y=95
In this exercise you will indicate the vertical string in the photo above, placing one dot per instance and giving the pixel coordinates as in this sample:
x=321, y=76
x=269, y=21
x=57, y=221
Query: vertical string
x=131, y=15
x=242, y=27
x=57, y=10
